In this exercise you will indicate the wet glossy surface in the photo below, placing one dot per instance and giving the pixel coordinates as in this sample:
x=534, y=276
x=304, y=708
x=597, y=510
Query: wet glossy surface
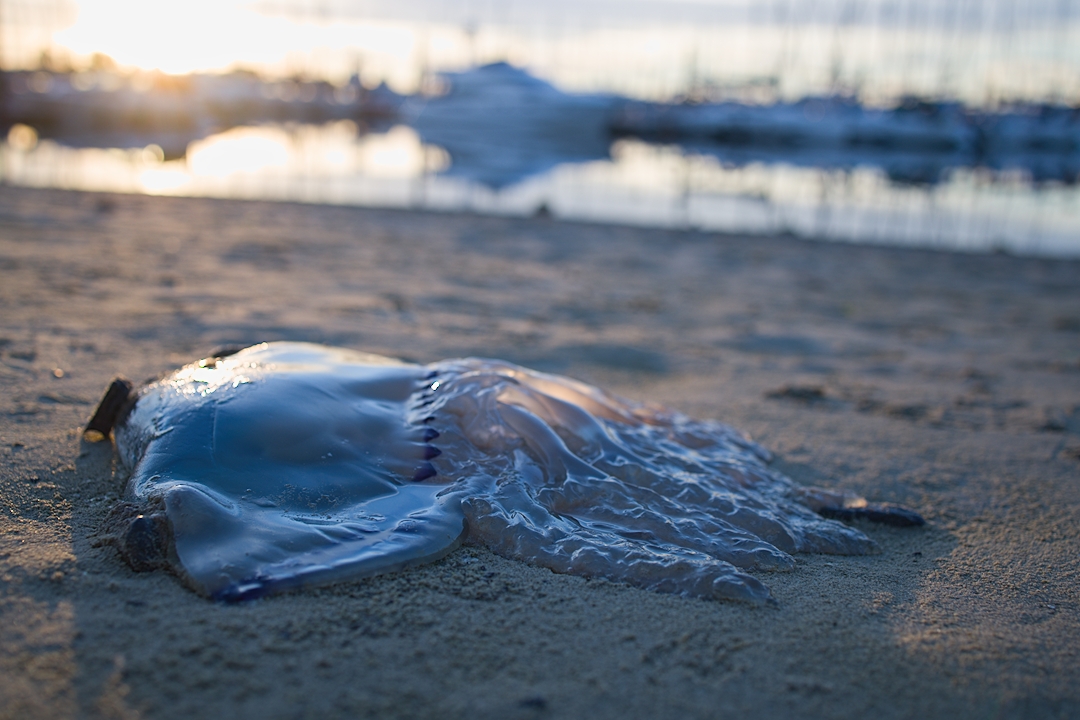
x=289, y=464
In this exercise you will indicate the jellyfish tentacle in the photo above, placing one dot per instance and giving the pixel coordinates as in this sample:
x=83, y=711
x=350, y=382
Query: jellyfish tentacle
x=656, y=519
x=512, y=524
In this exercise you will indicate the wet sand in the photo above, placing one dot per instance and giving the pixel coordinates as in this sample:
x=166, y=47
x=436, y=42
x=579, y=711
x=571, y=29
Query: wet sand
x=946, y=382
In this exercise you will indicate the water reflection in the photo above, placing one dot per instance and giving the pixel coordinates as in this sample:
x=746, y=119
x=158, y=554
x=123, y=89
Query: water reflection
x=870, y=120
x=638, y=183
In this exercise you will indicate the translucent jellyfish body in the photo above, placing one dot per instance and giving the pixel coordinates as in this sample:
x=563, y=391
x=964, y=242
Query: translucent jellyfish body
x=289, y=464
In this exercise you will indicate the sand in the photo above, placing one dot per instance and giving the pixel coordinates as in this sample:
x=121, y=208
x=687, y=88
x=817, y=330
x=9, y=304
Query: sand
x=946, y=382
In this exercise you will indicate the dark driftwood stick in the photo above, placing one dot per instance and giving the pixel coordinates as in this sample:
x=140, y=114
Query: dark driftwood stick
x=108, y=410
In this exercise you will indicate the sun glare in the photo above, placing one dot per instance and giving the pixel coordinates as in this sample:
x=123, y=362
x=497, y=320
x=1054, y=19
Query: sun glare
x=218, y=35
x=167, y=179
x=241, y=150
x=270, y=153
x=397, y=153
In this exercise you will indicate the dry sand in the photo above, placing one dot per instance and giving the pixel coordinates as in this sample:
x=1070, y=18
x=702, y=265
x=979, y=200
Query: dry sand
x=949, y=383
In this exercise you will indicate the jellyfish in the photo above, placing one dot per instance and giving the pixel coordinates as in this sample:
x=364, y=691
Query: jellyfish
x=287, y=465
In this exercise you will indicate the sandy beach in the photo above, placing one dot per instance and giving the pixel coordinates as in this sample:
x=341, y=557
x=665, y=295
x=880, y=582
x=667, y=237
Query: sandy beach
x=946, y=382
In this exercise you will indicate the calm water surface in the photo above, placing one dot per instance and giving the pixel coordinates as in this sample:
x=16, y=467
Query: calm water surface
x=645, y=184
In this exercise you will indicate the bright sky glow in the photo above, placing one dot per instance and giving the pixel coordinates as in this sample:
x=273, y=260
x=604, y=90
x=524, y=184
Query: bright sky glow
x=216, y=35
x=656, y=59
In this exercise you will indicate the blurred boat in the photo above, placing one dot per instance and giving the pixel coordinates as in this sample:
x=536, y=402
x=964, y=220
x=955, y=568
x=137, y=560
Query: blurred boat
x=500, y=124
x=916, y=141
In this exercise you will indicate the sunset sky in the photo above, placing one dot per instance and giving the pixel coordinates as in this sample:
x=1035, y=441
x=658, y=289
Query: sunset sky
x=637, y=47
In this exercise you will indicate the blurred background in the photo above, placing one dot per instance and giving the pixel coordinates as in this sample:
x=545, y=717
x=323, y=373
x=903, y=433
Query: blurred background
x=944, y=123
